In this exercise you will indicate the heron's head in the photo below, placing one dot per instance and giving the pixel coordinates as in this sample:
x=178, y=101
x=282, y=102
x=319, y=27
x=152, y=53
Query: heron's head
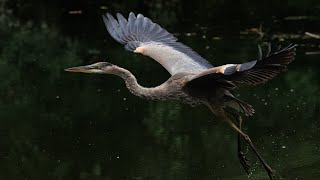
x=97, y=68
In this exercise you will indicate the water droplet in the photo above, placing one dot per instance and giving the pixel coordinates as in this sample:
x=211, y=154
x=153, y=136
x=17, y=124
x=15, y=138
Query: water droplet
x=118, y=157
x=124, y=99
x=283, y=147
x=207, y=47
x=291, y=90
x=204, y=36
x=276, y=89
x=57, y=97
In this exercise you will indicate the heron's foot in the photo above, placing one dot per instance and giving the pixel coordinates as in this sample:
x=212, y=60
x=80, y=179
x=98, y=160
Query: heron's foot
x=270, y=173
x=245, y=162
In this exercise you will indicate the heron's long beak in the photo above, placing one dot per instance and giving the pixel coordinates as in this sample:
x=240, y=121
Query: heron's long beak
x=85, y=69
x=82, y=69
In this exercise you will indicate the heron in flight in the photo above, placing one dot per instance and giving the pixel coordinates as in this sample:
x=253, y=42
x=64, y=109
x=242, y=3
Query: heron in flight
x=193, y=79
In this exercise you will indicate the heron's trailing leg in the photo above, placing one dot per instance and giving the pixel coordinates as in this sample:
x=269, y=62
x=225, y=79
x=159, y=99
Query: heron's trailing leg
x=243, y=159
x=248, y=140
x=220, y=112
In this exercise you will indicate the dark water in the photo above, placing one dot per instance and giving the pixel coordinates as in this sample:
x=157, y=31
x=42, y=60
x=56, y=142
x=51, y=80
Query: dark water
x=58, y=125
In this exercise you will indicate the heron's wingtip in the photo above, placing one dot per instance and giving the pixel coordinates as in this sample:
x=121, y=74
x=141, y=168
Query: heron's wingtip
x=104, y=17
x=109, y=15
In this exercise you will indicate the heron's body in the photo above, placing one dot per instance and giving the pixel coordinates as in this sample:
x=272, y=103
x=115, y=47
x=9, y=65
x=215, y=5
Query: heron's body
x=193, y=79
x=176, y=88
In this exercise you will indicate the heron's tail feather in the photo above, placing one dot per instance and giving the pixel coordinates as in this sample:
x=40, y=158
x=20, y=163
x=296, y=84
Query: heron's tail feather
x=240, y=106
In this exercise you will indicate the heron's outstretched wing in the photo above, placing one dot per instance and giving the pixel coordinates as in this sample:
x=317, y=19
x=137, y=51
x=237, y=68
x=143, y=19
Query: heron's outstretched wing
x=139, y=34
x=253, y=72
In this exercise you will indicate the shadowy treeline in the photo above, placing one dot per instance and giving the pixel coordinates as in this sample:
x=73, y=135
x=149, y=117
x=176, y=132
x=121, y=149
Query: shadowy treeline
x=226, y=16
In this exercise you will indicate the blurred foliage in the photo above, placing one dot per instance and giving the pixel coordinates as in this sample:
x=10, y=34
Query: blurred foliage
x=57, y=125
x=223, y=16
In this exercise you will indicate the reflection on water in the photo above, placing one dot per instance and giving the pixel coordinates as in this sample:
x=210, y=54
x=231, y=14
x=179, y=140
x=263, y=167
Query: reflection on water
x=59, y=125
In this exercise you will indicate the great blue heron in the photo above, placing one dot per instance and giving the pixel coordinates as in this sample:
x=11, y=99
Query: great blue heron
x=193, y=79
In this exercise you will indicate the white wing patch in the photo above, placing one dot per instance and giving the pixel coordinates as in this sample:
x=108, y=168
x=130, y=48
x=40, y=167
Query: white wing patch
x=172, y=60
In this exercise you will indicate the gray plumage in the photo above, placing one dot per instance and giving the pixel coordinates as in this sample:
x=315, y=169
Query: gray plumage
x=141, y=31
x=193, y=80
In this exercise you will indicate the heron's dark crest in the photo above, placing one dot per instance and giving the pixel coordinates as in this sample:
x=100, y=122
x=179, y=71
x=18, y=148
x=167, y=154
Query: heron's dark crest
x=100, y=65
x=193, y=79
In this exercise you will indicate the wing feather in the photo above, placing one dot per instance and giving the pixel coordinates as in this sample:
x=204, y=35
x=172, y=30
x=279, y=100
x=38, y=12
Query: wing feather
x=115, y=28
x=123, y=24
x=150, y=25
x=131, y=20
x=158, y=43
x=139, y=23
x=253, y=72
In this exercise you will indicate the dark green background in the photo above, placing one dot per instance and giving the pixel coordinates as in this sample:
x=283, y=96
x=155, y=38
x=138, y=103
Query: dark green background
x=58, y=125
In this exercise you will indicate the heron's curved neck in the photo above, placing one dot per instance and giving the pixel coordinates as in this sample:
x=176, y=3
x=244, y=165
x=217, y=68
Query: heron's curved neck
x=132, y=84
